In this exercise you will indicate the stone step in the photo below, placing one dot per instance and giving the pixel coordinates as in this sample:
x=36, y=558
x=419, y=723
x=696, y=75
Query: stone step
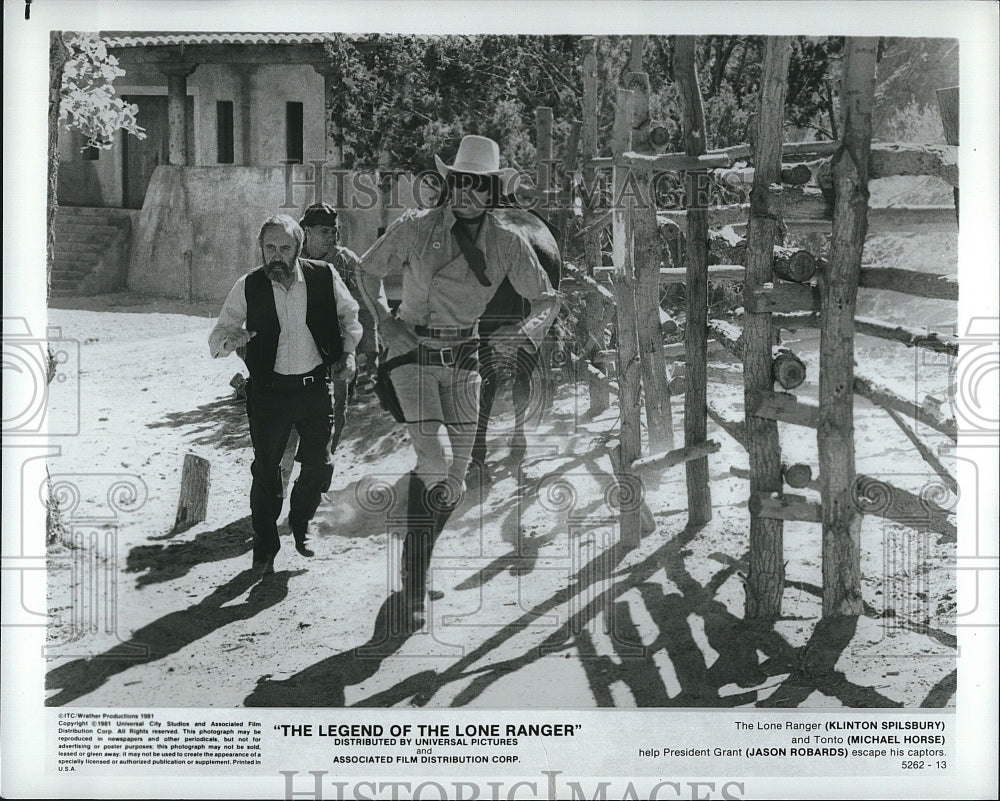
x=89, y=211
x=67, y=275
x=81, y=224
x=76, y=257
x=71, y=284
x=81, y=232
x=76, y=267
x=79, y=249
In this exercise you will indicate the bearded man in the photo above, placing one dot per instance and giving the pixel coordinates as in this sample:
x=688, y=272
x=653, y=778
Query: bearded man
x=299, y=325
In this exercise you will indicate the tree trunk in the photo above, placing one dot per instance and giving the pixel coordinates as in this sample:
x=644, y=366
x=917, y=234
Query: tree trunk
x=595, y=308
x=839, y=289
x=766, y=575
x=696, y=331
x=648, y=251
x=627, y=323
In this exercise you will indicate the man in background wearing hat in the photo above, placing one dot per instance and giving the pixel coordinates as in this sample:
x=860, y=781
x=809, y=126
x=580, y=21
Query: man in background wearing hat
x=299, y=325
x=453, y=257
x=319, y=222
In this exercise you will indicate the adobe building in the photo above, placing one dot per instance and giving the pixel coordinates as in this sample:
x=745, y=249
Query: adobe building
x=239, y=126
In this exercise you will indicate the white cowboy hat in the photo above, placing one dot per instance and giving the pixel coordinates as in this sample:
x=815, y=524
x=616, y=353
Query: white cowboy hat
x=476, y=155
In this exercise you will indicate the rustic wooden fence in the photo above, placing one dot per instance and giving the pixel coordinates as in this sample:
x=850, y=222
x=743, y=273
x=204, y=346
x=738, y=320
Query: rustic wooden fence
x=811, y=186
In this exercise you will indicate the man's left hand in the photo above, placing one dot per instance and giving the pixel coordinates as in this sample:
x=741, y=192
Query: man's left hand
x=508, y=340
x=346, y=368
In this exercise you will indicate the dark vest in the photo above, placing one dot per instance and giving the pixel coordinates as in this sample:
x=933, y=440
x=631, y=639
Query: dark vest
x=262, y=317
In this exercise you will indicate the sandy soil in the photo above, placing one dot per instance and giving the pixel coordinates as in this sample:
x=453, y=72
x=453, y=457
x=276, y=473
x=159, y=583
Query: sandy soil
x=541, y=606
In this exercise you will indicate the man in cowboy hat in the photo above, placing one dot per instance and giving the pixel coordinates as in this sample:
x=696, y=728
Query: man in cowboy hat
x=453, y=257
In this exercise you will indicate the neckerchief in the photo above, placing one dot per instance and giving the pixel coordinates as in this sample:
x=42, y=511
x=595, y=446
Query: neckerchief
x=473, y=255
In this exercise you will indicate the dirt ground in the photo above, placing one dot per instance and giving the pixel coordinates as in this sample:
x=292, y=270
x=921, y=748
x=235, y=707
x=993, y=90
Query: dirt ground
x=541, y=607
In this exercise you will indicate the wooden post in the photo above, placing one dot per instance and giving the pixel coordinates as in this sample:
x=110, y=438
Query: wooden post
x=565, y=213
x=948, y=108
x=595, y=308
x=766, y=575
x=544, y=182
x=193, y=503
x=638, y=43
x=839, y=289
x=797, y=175
x=659, y=418
x=696, y=330
x=638, y=82
x=628, y=338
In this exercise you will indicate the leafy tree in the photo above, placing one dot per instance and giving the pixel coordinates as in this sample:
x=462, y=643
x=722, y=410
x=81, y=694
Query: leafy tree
x=87, y=100
x=82, y=98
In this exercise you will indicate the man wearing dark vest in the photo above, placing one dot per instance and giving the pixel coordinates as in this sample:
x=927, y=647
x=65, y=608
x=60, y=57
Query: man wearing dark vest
x=300, y=327
x=320, y=224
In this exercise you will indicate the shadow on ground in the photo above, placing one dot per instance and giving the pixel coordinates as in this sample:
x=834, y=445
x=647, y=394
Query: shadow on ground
x=159, y=563
x=221, y=423
x=169, y=634
x=754, y=666
x=323, y=684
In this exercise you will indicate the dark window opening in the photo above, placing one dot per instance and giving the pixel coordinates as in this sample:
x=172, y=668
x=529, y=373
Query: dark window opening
x=224, y=131
x=91, y=154
x=293, y=132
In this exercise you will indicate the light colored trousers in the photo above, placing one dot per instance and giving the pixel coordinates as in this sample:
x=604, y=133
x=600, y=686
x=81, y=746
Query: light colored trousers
x=441, y=406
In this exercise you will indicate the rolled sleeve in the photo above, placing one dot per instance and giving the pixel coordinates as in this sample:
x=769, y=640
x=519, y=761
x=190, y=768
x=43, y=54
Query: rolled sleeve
x=231, y=319
x=347, y=313
x=530, y=281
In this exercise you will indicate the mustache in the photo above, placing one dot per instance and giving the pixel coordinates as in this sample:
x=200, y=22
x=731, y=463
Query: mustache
x=279, y=265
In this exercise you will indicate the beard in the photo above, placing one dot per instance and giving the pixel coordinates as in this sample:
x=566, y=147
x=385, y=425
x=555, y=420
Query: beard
x=278, y=270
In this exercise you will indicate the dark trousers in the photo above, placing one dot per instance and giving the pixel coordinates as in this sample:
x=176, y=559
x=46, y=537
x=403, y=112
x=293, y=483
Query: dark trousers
x=273, y=413
x=524, y=365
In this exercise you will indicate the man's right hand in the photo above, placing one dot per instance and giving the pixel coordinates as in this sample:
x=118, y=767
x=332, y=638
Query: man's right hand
x=396, y=336
x=237, y=338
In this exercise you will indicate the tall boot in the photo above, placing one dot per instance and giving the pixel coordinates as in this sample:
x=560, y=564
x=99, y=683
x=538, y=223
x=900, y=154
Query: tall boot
x=426, y=517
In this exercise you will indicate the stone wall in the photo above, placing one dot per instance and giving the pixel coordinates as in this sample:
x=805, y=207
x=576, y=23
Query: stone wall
x=197, y=231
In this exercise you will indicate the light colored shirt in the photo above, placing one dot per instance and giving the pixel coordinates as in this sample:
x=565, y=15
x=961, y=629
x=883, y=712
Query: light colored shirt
x=346, y=263
x=297, y=352
x=439, y=288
